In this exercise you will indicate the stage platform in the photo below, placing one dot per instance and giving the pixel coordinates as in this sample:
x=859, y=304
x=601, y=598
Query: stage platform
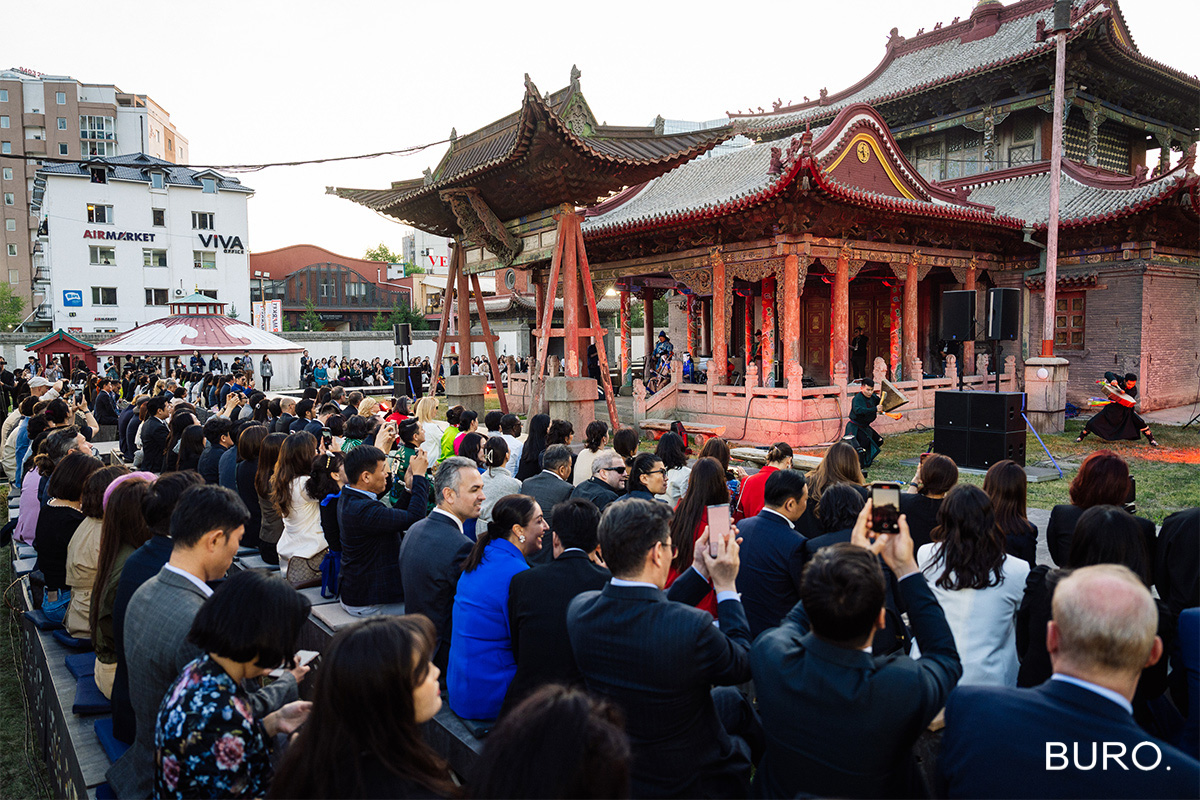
x=1032, y=474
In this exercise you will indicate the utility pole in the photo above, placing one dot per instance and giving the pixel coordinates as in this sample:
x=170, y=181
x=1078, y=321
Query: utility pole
x=1062, y=25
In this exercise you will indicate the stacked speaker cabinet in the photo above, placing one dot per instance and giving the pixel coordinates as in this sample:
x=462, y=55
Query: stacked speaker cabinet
x=977, y=429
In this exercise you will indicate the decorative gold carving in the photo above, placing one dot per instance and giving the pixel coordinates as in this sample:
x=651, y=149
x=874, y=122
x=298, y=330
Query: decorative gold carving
x=700, y=281
x=480, y=224
x=863, y=151
x=855, y=265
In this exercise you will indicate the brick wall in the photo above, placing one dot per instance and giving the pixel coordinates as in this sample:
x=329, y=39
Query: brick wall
x=1170, y=374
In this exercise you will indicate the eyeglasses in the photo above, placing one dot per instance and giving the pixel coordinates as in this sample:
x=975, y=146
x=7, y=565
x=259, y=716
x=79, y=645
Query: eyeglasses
x=620, y=470
x=654, y=471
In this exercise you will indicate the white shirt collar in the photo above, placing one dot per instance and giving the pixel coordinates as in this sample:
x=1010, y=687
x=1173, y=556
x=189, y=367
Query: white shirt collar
x=776, y=513
x=201, y=585
x=1109, y=694
x=555, y=474
x=620, y=582
x=445, y=513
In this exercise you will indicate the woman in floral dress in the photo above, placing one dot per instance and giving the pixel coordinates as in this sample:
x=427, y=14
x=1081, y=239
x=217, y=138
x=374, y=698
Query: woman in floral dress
x=208, y=742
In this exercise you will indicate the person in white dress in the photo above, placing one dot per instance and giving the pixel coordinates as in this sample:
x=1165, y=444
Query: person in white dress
x=427, y=412
x=498, y=482
x=978, y=586
x=303, y=539
x=595, y=440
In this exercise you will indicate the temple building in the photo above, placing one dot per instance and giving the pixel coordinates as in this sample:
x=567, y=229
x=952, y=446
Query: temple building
x=858, y=210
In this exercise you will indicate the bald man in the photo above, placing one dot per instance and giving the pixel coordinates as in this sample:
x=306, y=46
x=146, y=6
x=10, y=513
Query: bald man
x=1073, y=736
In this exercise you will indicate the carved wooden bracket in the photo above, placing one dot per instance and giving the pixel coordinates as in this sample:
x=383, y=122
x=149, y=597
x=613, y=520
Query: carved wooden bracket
x=700, y=281
x=856, y=264
x=479, y=223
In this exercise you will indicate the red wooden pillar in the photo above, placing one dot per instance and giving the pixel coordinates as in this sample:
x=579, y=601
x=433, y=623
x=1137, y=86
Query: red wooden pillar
x=625, y=335
x=910, y=320
x=791, y=308
x=748, y=319
x=690, y=314
x=648, y=330
x=720, y=317
x=839, y=347
x=462, y=296
x=967, y=367
x=768, y=329
x=895, y=298
x=572, y=307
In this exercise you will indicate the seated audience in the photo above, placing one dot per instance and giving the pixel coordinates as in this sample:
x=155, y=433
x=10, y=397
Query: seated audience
x=658, y=660
x=206, y=527
x=821, y=690
x=123, y=532
x=498, y=482
x=153, y=435
x=481, y=664
x=607, y=482
x=673, y=453
x=840, y=506
x=751, y=502
x=647, y=477
x=772, y=553
x=839, y=465
x=1102, y=480
x=249, y=445
x=1006, y=484
x=208, y=739
x=217, y=430
x=326, y=481
x=453, y=417
x=84, y=550
x=625, y=442
x=371, y=532
x=271, y=523
x=936, y=475
x=530, y=462
x=409, y=439
x=191, y=448
x=978, y=586
x=376, y=687
x=302, y=545
x=718, y=448
x=54, y=447
x=549, y=488
x=510, y=432
x=1177, y=561
x=433, y=550
x=558, y=743
x=706, y=487
x=538, y=600
x=595, y=439
x=60, y=517
x=1046, y=741
x=561, y=431
x=470, y=447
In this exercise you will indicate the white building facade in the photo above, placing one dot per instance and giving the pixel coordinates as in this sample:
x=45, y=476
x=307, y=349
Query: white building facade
x=124, y=236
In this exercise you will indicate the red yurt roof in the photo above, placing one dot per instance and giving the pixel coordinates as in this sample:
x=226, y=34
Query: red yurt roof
x=181, y=334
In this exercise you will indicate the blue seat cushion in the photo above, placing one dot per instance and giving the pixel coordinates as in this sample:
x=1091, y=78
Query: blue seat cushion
x=89, y=700
x=105, y=792
x=114, y=748
x=67, y=640
x=80, y=664
x=40, y=620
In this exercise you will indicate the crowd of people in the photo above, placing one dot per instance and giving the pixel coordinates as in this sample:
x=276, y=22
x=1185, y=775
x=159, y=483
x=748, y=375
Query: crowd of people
x=571, y=600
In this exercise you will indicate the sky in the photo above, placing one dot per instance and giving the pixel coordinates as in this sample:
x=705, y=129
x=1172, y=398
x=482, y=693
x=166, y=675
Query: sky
x=253, y=81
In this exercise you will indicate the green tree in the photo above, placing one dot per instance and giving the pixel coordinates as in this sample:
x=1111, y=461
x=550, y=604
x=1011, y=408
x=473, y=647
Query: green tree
x=383, y=253
x=413, y=269
x=398, y=316
x=233, y=312
x=11, y=308
x=309, y=321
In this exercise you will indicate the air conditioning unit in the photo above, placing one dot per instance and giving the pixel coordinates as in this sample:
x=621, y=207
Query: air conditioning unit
x=179, y=292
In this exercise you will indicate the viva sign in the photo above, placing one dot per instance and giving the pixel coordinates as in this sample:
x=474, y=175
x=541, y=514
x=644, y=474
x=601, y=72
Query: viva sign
x=229, y=244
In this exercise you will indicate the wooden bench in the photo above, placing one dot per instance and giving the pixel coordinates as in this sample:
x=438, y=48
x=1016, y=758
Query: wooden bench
x=700, y=432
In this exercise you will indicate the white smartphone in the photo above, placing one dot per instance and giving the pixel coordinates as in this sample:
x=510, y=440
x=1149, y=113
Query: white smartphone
x=303, y=659
x=718, y=526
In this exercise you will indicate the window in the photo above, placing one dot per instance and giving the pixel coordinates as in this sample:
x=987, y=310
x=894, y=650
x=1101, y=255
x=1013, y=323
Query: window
x=1068, y=320
x=158, y=217
x=203, y=221
x=8, y=173
x=14, y=276
x=104, y=295
x=156, y=297
x=12, y=249
x=100, y=215
x=328, y=290
x=102, y=256
x=5, y=147
x=62, y=123
x=204, y=259
x=91, y=127
x=99, y=175
x=154, y=258
x=3, y=95
x=63, y=150
x=156, y=180
x=9, y=199
x=210, y=293
x=60, y=98
x=209, y=184
x=4, y=122
x=10, y=224
x=99, y=149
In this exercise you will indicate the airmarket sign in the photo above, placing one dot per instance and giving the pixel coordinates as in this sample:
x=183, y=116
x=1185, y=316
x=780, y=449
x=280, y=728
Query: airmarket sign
x=227, y=244
x=119, y=236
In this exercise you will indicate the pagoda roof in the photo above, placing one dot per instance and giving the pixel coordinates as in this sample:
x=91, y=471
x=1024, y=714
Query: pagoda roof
x=993, y=38
x=549, y=152
x=58, y=336
x=181, y=334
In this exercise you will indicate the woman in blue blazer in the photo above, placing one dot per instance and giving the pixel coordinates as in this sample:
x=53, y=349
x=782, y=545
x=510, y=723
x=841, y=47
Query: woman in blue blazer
x=481, y=663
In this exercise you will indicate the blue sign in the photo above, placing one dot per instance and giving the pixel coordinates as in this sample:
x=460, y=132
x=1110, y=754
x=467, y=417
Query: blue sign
x=72, y=298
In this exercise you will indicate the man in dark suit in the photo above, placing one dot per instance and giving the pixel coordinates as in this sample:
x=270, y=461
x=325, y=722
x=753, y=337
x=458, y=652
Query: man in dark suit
x=127, y=429
x=106, y=403
x=314, y=426
x=371, y=532
x=432, y=553
x=206, y=528
x=538, y=600
x=287, y=408
x=607, y=482
x=218, y=431
x=549, y=488
x=1075, y=735
x=351, y=407
x=821, y=691
x=304, y=414
x=154, y=436
x=1177, y=571
x=772, y=552
x=659, y=659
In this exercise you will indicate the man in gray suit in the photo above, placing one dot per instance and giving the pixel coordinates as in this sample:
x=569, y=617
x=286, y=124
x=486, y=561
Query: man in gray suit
x=550, y=487
x=206, y=528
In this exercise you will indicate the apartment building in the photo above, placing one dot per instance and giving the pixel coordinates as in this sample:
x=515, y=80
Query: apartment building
x=47, y=117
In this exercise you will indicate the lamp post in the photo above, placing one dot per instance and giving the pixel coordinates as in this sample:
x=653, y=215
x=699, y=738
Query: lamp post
x=1062, y=25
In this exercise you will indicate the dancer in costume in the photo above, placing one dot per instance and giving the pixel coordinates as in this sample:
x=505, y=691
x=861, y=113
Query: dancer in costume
x=1117, y=419
x=863, y=411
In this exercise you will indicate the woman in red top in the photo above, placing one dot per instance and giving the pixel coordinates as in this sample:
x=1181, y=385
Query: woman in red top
x=706, y=487
x=751, y=502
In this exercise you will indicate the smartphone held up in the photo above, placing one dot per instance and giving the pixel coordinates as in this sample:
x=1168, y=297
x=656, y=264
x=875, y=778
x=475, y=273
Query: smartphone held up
x=719, y=523
x=885, y=507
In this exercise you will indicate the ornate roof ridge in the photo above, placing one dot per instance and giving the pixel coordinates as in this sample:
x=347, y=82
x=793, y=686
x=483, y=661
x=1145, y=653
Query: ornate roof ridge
x=1084, y=174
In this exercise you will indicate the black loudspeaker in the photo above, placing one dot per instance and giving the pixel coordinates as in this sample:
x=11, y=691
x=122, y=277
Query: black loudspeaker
x=402, y=333
x=1003, y=313
x=988, y=447
x=996, y=411
x=406, y=381
x=953, y=442
x=952, y=410
x=958, y=316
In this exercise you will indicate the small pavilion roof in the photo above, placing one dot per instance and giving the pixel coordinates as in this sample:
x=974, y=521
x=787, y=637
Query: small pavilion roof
x=549, y=152
x=181, y=334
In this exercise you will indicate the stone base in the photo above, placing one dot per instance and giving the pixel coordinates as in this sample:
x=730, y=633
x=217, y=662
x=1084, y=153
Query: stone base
x=572, y=399
x=1046, y=393
x=466, y=391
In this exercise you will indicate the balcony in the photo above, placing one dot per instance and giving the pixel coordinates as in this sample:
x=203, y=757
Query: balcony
x=35, y=147
x=43, y=313
x=41, y=275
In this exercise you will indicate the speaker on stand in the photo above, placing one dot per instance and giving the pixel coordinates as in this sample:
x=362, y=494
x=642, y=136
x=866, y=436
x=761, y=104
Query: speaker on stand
x=958, y=320
x=1003, y=321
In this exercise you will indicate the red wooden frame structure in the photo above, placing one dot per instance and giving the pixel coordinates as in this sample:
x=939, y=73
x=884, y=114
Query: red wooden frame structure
x=456, y=289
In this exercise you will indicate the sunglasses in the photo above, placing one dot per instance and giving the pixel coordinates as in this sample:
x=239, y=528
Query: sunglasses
x=619, y=470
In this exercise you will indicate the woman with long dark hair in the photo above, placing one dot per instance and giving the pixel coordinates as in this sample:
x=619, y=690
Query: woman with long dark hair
x=978, y=586
x=751, y=502
x=535, y=445
x=595, y=439
x=673, y=454
x=376, y=686
x=191, y=445
x=481, y=664
x=83, y=553
x=839, y=465
x=718, y=448
x=124, y=530
x=625, y=442
x=1007, y=485
x=302, y=544
x=248, y=446
x=936, y=476
x=271, y=527
x=325, y=481
x=61, y=515
x=471, y=447
x=706, y=487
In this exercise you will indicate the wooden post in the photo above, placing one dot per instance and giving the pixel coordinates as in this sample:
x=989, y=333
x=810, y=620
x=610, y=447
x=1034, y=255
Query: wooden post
x=748, y=336
x=968, y=350
x=720, y=348
x=839, y=346
x=571, y=309
x=489, y=343
x=597, y=332
x=456, y=259
x=768, y=331
x=648, y=330
x=792, y=290
x=463, y=299
x=909, y=316
x=690, y=331
x=539, y=367
x=625, y=336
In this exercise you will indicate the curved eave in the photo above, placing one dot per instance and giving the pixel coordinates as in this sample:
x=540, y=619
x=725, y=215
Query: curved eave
x=1144, y=204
